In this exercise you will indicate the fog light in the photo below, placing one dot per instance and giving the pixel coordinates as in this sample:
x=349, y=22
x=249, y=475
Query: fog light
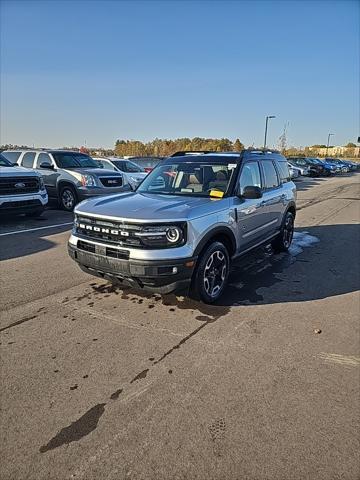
x=174, y=270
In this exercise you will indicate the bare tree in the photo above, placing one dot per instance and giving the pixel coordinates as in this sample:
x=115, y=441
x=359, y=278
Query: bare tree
x=283, y=139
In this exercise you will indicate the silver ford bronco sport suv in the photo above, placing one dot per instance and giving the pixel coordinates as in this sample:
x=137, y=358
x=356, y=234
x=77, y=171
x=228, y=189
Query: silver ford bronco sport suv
x=190, y=217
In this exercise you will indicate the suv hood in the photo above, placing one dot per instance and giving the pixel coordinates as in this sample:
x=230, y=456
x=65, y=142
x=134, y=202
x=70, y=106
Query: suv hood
x=137, y=175
x=18, y=171
x=97, y=172
x=145, y=207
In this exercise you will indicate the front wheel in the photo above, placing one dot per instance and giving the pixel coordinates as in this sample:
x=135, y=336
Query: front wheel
x=211, y=274
x=283, y=240
x=68, y=198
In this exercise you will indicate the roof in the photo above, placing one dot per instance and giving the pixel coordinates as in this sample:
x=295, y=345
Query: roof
x=65, y=151
x=184, y=156
x=50, y=150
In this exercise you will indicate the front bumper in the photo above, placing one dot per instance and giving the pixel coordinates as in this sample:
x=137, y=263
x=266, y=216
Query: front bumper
x=163, y=276
x=23, y=203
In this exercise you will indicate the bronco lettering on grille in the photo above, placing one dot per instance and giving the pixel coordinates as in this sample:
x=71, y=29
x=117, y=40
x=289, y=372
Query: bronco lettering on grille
x=103, y=230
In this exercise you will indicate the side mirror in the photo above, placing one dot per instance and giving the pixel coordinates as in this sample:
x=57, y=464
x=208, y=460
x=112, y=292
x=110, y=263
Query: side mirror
x=47, y=165
x=252, y=192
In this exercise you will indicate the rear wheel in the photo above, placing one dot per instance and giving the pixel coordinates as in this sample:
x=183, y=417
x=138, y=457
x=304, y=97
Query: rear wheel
x=283, y=240
x=67, y=198
x=211, y=274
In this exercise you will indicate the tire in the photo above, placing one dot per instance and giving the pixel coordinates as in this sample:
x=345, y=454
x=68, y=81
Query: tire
x=67, y=198
x=211, y=273
x=35, y=213
x=283, y=241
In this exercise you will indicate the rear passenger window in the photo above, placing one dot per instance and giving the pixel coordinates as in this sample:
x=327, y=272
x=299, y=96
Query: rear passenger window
x=28, y=159
x=283, y=169
x=42, y=158
x=270, y=175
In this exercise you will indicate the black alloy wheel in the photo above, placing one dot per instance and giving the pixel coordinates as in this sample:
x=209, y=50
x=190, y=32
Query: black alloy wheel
x=283, y=241
x=211, y=274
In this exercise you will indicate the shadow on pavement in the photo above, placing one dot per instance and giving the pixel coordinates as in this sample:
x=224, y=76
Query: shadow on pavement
x=324, y=262
x=21, y=235
x=305, y=183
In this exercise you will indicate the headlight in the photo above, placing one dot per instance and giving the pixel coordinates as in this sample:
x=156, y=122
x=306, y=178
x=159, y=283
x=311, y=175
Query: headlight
x=173, y=234
x=163, y=236
x=88, y=181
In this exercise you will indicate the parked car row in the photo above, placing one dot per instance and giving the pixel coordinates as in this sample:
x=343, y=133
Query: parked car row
x=69, y=177
x=315, y=167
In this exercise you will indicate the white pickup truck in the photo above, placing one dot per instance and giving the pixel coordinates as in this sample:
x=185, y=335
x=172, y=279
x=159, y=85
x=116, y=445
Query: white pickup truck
x=21, y=190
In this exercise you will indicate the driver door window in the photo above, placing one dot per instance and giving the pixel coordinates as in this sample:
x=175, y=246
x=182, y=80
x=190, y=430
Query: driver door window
x=42, y=158
x=250, y=176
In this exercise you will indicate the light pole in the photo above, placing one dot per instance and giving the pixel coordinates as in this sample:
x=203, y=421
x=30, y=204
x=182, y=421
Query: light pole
x=266, y=128
x=327, y=145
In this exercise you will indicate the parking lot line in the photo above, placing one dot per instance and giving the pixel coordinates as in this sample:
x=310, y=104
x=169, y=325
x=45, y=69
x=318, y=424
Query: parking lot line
x=34, y=229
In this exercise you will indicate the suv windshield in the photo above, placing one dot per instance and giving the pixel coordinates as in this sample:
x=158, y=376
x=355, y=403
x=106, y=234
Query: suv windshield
x=126, y=166
x=191, y=178
x=74, y=160
x=4, y=162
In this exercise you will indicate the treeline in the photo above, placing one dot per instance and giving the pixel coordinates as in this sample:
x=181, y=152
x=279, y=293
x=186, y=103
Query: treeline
x=164, y=148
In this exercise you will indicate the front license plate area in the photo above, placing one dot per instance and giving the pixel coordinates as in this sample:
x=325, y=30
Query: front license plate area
x=104, y=264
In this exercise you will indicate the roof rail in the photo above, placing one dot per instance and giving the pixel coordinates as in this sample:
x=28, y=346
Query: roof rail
x=204, y=152
x=257, y=151
x=191, y=152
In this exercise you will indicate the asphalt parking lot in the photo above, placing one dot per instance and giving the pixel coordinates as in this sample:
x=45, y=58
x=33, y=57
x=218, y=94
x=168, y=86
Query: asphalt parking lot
x=107, y=383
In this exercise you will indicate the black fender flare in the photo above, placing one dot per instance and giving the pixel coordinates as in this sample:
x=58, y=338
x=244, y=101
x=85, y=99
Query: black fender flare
x=291, y=205
x=217, y=231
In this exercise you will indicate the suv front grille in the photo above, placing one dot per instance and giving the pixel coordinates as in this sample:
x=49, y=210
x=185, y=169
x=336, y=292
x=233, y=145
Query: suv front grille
x=87, y=247
x=108, y=252
x=111, y=181
x=19, y=185
x=109, y=232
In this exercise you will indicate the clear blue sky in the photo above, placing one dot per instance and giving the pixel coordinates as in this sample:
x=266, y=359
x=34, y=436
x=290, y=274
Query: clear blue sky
x=100, y=70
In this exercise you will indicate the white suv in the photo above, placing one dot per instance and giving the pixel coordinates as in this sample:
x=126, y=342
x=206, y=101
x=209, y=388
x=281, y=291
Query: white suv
x=132, y=173
x=21, y=190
